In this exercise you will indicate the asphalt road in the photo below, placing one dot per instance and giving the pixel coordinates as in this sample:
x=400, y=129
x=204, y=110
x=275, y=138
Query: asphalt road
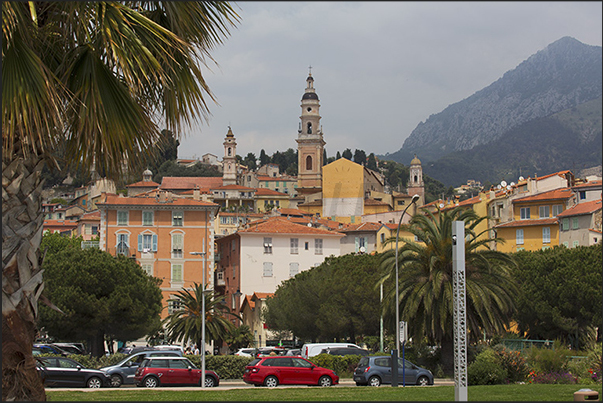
x=239, y=384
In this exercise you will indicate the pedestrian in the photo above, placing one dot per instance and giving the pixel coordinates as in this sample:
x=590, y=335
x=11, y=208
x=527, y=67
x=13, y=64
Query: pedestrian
x=196, y=350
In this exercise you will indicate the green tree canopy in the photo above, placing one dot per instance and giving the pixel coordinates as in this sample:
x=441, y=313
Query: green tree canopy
x=560, y=293
x=101, y=296
x=336, y=300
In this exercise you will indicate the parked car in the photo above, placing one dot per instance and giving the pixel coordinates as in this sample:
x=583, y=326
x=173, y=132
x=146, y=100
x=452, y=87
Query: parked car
x=376, y=370
x=294, y=352
x=123, y=372
x=283, y=370
x=169, y=347
x=65, y=372
x=50, y=349
x=75, y=348
x=345, y=351
x=245, y=352
x=172, y=371
x=134, y=349
x=311, y=349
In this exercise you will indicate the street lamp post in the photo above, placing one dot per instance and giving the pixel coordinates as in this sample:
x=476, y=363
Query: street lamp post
x=202, y=347
x=395, y=352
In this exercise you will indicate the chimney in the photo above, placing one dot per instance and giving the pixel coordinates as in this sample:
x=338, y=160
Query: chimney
x=196, y=193
x=162, y=196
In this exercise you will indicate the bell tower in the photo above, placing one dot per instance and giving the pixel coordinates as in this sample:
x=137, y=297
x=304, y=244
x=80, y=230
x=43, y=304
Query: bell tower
x=415, y=184
x=229, y=163
x=310, y=143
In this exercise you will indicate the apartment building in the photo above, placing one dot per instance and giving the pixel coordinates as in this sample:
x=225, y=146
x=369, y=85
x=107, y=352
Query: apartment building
x=580, y=225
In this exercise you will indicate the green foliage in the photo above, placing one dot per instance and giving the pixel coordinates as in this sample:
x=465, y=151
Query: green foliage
x=549, y=360
x=336, y=300
x=90, y=361
x=99, y=295
x=342, y=365
x=54, y=242
x=226, y=366
x=513, y=362
x=172, y=168
x=483, y=372
x=560, y=293
x=239, y=337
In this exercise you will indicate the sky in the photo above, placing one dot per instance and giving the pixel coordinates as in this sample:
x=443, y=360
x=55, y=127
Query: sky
x=379, y=68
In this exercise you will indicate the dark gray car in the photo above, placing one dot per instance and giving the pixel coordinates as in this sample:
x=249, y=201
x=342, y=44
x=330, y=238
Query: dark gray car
x=123, y=372
x=376, y=370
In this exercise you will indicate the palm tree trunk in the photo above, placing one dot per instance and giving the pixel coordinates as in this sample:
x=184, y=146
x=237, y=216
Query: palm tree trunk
x=22, y=284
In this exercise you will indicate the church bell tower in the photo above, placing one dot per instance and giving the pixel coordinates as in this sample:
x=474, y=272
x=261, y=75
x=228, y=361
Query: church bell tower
x=310, y=142
x=229, y=163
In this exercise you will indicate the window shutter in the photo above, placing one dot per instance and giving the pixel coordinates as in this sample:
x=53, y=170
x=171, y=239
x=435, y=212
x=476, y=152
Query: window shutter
x=154, y=243
x=140, y=242
x=356, y=241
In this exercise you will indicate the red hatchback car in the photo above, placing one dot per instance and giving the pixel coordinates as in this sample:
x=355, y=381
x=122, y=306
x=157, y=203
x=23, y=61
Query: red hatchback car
x=272, y=371
x=172, y=371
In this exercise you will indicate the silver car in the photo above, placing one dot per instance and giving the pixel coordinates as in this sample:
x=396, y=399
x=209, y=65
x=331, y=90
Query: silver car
x=123, y=372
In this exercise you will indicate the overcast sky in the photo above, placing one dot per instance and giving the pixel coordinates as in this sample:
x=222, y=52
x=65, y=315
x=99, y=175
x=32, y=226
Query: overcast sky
x=379, y=68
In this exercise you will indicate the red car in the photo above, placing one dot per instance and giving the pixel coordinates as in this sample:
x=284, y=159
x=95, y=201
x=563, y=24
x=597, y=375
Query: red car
x=285, y=370
x=172, y=371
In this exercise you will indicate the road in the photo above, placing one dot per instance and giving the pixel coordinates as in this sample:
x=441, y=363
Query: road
x=239, y=384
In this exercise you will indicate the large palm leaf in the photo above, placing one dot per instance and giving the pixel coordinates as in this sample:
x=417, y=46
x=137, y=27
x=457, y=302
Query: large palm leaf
x=426, y=280
x=101, y=79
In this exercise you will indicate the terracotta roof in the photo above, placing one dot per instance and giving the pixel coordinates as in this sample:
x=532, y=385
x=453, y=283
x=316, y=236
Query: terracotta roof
x=232, y=187
x=557, y=194
x=266, y=178
x=190, y=182
x=67, y=224
x=293, y=212
x=281, y=225
x=560, y=173
x=581, y=209
x=143, y=184
x=589, y=184
x=312, y=203
x=94, y=215
x=528, y=223
x=248, y=301
x=373, y=202
x=152, y=201
x=269, y=192
x=261, y=295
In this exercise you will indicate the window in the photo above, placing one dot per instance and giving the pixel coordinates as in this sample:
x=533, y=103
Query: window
x=557, y=209
x=566, y=244
x=147, y=243
x=518, y=249
x=234, y=271
x=123, y=244
x=87, y=229
x=306, y=245
x=543, y=211
x=234, y=244
x=565, y=224
x=147, y=218
x=546, y=235
x=122, y=217
x=174, y=305
x=318, y=246
x=575, y=224
x=582, y=194
x=293, y=269
x=177, y=272
x=382, y=238
x=267, y=269
x=360, y=242
x=308, y=163
x=294, y=246
x=575, y=244
x=519, y=237
x=524, y=213
x=148, y=268
x=177, y=218
x=95, y=230
x=268, y=246
x=177, y=246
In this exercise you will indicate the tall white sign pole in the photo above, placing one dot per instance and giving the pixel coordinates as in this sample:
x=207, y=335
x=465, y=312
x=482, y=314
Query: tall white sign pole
x=459, y=317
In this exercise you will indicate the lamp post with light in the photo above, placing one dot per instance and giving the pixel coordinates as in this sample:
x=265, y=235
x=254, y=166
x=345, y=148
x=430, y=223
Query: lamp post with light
x=395, y=352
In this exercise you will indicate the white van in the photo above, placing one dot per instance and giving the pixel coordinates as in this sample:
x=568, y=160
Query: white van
x=311, y=349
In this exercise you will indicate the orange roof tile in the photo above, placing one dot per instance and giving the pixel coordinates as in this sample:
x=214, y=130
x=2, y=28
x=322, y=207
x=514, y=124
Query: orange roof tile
x=293, y=212
x=232, y=187
x=589, y=184
x=373, y=202
x=281, y=225
x=261, y=295
x=312, y=203
x=269, y=192
x=528, y=223
x=365, y=226
x=557, y=194
x=190, y=182
x=143, y=184
x=114, y=200
x=94, y=215
x=560, y=173
x=581, y=209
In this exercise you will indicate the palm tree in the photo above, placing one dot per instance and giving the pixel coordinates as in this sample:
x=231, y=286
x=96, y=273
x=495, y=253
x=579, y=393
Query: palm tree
x=426, y=281
x=186, y=322
x=95, y=80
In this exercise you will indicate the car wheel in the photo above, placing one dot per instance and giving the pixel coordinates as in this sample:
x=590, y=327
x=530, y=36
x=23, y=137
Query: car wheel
x=94, y=382
x=271, y=381
x=423, y=381
x=325, y=381
x=151, y=382
x=116, y=381
x=210, y=382
x=374, y=381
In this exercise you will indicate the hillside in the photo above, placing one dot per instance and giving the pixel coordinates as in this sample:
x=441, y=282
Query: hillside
x=565, y=74
x=570, y=139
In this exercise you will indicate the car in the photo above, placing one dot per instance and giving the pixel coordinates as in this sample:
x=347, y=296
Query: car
x=376, y=370
x=294, y=352
x=345, y=351
x=134, y=349
x=169, y=347
x=123, y=372
x=75, y=348
x=284, y=370
x=50, y=349
x=311, y=349
x=172, y=371
x=246, y=352
x=65, y=372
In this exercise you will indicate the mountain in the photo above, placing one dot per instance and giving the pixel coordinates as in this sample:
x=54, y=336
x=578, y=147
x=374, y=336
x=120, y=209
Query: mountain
x=570, y=139
x=565, y=74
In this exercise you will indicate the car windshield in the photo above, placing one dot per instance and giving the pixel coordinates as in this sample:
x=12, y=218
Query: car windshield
x=363, y=362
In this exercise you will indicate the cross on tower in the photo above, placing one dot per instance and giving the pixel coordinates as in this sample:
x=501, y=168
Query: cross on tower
x=310, y=68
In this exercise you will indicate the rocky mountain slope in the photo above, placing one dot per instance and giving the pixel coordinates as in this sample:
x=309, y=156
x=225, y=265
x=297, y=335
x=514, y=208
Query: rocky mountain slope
x=565, y=74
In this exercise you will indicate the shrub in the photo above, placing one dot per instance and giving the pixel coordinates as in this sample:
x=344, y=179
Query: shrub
x=554, y=377
x=226, y=366
x=89, y=361
x=514, y=363
x=483, y=372
x=343, y=365
x=544, y=360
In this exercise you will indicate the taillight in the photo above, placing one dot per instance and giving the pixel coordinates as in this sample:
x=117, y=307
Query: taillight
x=254, y=370
x=367, y=369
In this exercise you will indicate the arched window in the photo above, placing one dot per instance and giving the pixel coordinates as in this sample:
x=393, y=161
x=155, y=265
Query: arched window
x=416, y=178
x=229, y=151
x=309, y=127
x=309, y=163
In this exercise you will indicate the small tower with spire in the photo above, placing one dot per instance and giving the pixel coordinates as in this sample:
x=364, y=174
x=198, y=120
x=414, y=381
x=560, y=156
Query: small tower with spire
x=415, y=181
x=229, y=163
x=310, y=142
